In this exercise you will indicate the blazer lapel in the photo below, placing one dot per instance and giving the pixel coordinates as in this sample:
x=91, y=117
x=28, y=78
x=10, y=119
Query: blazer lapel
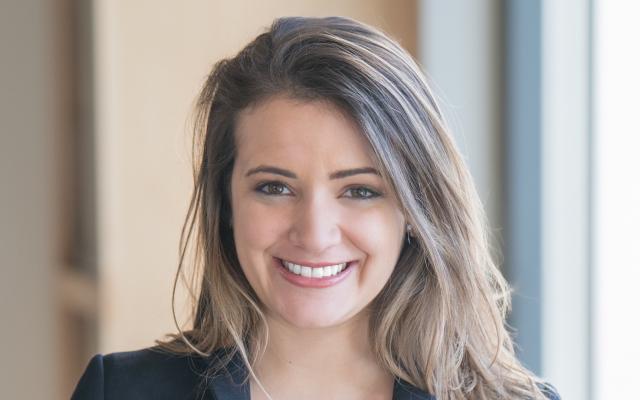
x=405, y=391
x=231, y=384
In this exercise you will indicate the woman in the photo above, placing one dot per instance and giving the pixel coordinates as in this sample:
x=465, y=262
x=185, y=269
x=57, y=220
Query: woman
x=341, y=246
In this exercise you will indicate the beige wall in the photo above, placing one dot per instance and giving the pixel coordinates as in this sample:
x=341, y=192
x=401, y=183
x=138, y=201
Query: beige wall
x=34, y=121
x=151, y=61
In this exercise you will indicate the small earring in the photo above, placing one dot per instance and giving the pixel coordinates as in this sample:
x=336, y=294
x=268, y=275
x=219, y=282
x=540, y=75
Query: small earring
x=409, y=233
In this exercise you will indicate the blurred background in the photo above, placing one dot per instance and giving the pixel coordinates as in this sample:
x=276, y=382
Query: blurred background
x=95, y=103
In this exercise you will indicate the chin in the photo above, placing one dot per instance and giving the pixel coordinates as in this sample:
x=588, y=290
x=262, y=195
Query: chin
x=307, y=318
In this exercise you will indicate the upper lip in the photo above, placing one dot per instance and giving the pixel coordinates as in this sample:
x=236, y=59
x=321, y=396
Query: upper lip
x=314, y=264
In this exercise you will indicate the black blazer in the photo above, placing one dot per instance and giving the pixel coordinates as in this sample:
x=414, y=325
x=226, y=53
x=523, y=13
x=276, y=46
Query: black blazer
x=154, y=374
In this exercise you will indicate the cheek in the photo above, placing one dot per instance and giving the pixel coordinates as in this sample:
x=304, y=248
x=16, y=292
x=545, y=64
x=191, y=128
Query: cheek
x=256, y=228
x=378, y=232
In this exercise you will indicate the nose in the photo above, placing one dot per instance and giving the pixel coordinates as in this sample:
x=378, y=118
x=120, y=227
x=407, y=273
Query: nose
x=315, y=226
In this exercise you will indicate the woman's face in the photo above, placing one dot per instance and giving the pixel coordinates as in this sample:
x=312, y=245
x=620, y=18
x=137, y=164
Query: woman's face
x=317, y=232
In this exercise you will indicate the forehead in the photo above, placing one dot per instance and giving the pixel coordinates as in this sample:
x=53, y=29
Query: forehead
x=298, y=131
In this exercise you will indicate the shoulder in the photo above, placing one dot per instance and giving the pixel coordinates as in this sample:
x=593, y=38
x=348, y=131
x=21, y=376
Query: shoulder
x=150, y=373
x=549, y=391
x=404, y=390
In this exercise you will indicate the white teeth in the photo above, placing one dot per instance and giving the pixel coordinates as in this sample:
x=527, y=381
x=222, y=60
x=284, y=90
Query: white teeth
x=309, y=272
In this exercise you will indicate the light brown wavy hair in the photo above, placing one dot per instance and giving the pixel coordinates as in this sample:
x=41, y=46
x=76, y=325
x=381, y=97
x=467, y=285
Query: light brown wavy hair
x=439, y=322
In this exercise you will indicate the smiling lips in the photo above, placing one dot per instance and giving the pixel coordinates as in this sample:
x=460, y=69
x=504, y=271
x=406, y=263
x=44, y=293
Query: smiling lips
x=311, y=272
x=318, y=272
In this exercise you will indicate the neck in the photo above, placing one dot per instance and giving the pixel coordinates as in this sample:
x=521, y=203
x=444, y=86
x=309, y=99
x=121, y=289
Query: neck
x=305, y=362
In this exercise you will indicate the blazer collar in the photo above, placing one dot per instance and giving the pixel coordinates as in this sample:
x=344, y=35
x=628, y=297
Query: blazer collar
x=231, y=384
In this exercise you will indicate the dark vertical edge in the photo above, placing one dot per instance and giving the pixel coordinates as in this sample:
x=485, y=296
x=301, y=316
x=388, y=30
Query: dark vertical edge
x=78, y=321
x=85, y=235
x=523, y=145
x=85, y=238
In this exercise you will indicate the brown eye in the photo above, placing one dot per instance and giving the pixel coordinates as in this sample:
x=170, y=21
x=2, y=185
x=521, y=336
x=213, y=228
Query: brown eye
x=273, y=189
x=362, y=193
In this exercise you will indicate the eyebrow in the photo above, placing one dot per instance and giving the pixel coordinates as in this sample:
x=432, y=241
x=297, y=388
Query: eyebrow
x=334, y=175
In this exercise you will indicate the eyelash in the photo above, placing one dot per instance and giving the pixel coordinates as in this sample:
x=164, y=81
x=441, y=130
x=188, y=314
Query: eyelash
x=372, y=194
